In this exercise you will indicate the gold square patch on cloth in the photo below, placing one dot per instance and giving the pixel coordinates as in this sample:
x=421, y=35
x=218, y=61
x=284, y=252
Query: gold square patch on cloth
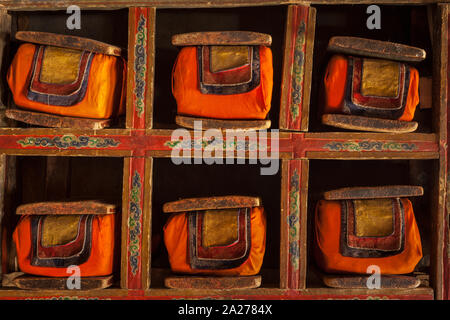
x=60, y=65
x=380, y=78
x=59, y=230
x=228, y=57
x=373, y=217
x=220, y=227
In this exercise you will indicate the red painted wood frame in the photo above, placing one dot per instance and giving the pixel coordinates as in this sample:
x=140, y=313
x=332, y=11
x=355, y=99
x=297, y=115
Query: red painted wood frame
x=139, y=143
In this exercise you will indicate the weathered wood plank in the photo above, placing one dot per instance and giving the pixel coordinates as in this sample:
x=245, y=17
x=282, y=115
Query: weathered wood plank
x=376, y=49
x=29, y=282
x=195, y=282
x=297, y=67
x=211, y=203
x=426, y=92
x=66, y=207
x=360, y=281
x=368, y=124
x=222, y=38
x=67, y=41
x=188, y=122
x=56, y=121
x=373, y=192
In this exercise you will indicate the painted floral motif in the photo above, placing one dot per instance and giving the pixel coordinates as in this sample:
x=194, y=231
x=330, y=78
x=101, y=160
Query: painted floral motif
x=213, y=143
x=68, y=141
x=140, y=65
x=69, y=298
x=134, y=221
x=297, y=72
x=370, y=146
x=293, y=220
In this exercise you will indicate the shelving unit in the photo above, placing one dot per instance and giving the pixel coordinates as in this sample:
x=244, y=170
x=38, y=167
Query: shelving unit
x=131, y=164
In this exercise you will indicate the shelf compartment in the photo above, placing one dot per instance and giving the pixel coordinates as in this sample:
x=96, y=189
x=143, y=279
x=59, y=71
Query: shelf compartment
x=213, y=19
x=30, y=179
x=412, y=28
x=328, y=175
x=173, y=182
x=106, y=26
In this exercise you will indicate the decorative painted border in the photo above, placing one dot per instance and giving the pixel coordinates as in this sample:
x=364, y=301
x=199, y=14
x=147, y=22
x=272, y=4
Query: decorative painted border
x=212, y=143
x=69, y=298
x=140, y=66
x=68, y=141
x=294, y=220
x=134, y=222
x=369, y=146
x=297, y=74
x=297, y=59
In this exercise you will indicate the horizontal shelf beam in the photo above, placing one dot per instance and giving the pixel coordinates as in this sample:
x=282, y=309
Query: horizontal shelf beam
x=190, y=144
x=118, y=4
x=421, y=293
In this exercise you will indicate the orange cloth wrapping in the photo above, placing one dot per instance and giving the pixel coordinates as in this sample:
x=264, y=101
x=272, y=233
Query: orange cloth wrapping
x=176, y=241
x=99, y=261
x=104, y=96
x=335, y=84
x=327, y=244
x=254, y=104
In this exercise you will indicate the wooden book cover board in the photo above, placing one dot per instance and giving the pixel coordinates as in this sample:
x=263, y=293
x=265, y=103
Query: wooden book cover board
x=376, y=48
x=221, y=283
x=188, y=122
x=56, y=121
x=30, y=282
x=373, y=192
x=67, y=41
x=211, y=203
x=362, y=123
x=232, y=38
x=363, y=281
x=66, y=208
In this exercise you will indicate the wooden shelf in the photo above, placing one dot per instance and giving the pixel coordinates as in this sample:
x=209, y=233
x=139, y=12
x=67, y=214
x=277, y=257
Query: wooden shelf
x=138, y=150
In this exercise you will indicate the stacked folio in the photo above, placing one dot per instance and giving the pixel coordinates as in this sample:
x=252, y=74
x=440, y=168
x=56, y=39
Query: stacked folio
x=55, y=241
x=65, y=81
x=365, y=230
x=222, y=239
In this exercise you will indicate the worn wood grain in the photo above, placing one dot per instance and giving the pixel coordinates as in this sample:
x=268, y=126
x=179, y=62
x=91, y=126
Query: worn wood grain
x=373, y=192
x=297, y=67
x=440, y=109
x=117, y=4
x=426, y=92
x=361, y=123
x=211, y=203
x=29, y=282
x=284, y=226
x=222, y=38
x=360, y=281
x=66, y=207
x=206, y=123
x=222, y=283
x=56, y=121
x=125, y=217
x=67, y=41
x=376, y=49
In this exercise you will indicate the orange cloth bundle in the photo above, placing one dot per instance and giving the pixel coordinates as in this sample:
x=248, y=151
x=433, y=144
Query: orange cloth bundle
x=227, y=242
x=223, y=82
x=68, y=82
x=47, y=244
x=351, y=235
x=371, y=87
